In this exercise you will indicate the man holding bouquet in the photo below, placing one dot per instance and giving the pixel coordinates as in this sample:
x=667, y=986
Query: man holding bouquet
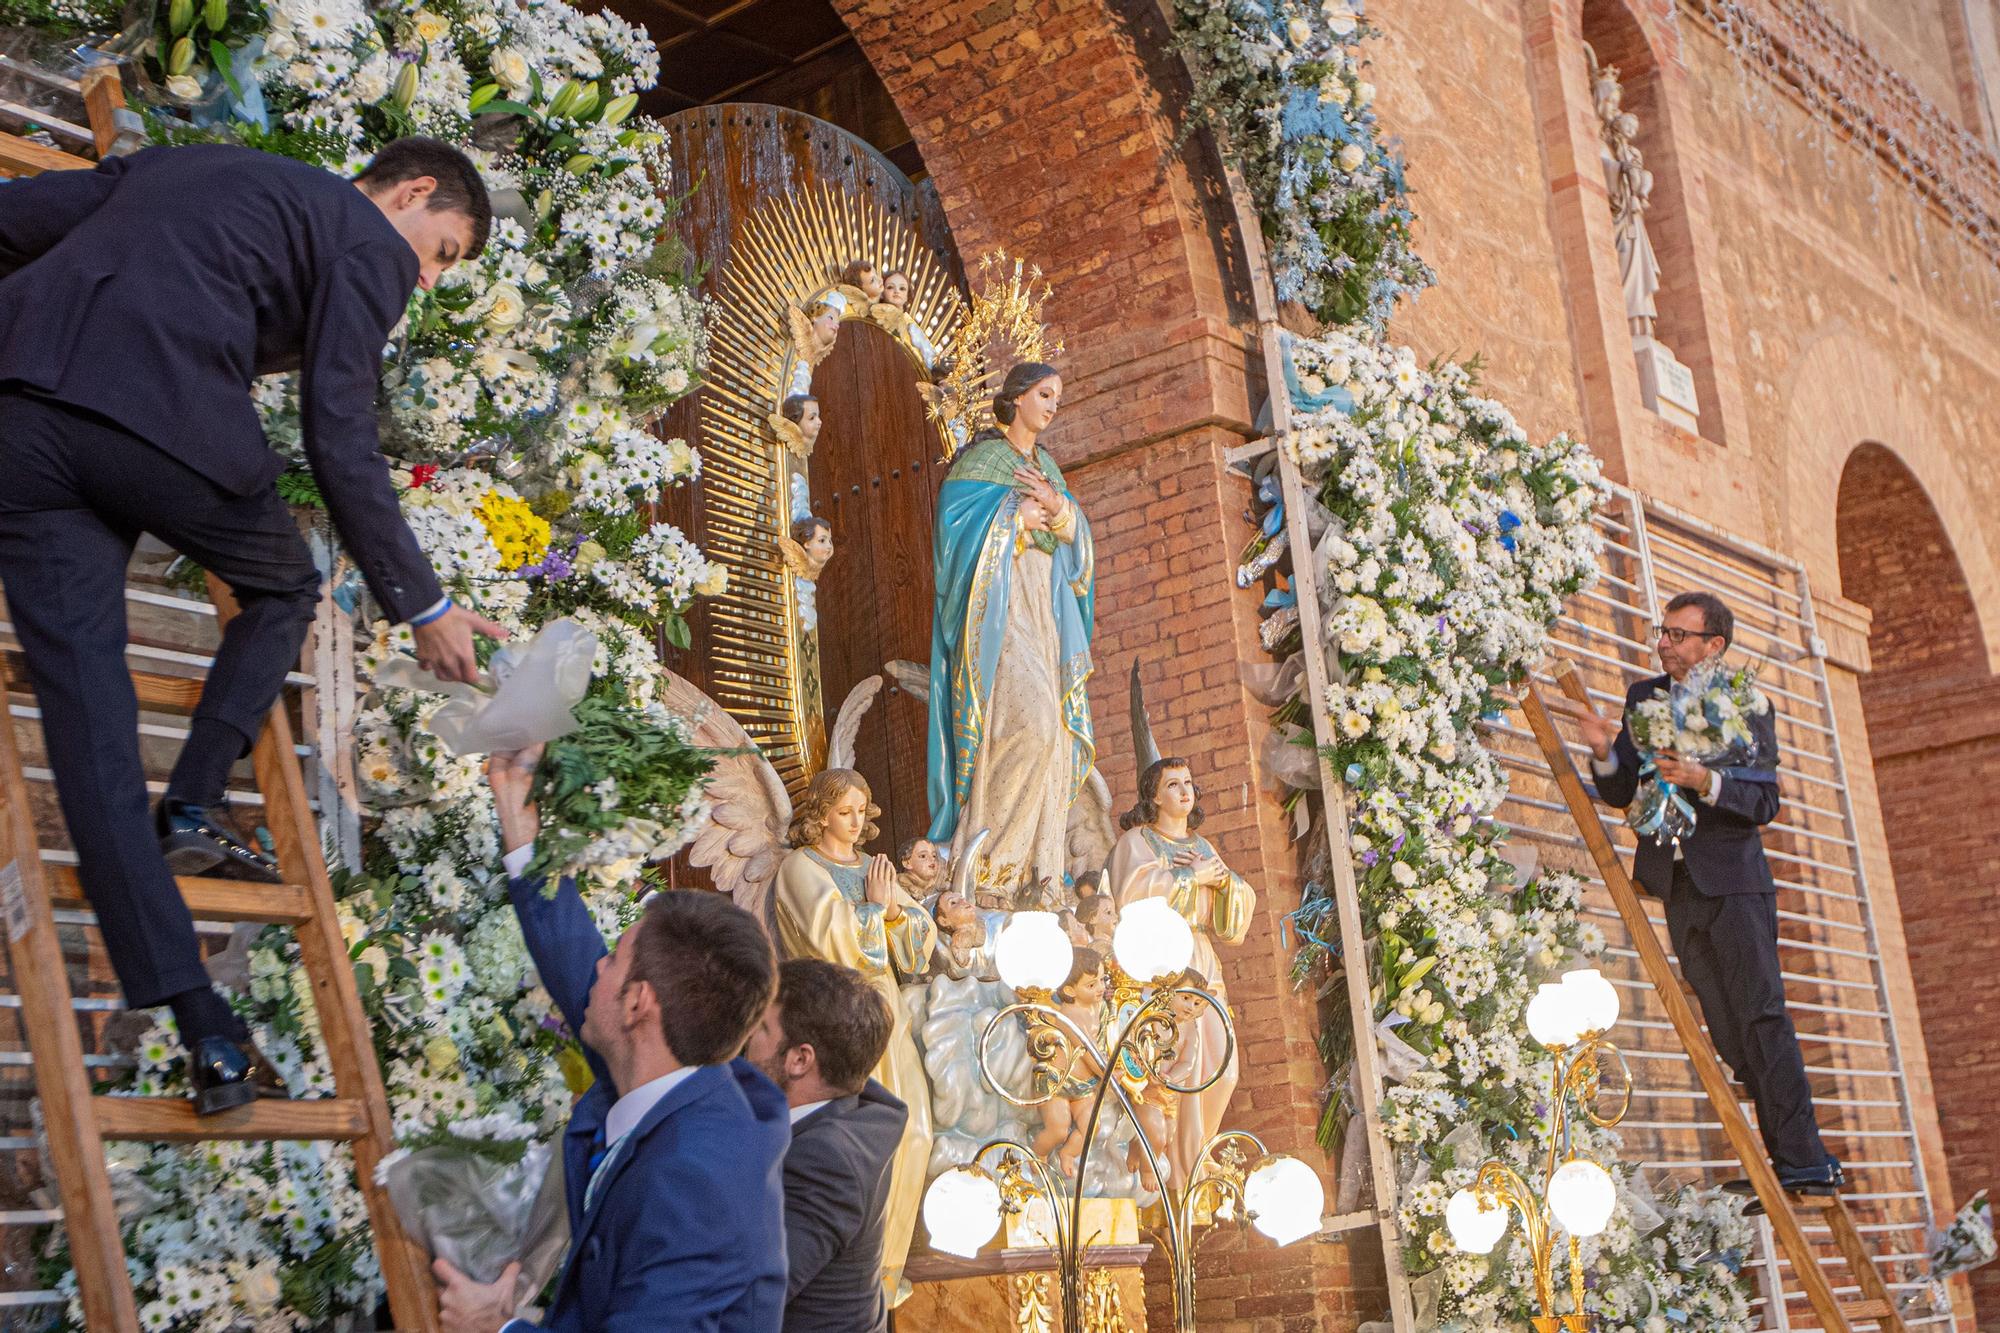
x=673, y=1161
x=1705, y=857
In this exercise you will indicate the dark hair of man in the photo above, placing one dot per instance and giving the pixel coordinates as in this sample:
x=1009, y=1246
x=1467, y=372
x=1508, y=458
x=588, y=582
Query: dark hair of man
x=835, y=1011
x=1148, y=808
x=710, y=966
x=1716, y=618
x=459, y=188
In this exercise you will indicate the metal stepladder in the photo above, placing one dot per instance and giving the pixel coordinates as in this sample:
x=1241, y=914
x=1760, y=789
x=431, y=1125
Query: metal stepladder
x=1877, y=1303
x=79, y=1122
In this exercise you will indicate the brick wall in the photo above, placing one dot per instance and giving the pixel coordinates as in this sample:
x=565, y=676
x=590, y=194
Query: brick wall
x=1933, y=714
x=1043, y=128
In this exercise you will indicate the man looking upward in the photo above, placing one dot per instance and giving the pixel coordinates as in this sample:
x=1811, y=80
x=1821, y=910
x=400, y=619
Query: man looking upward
x=1722, y=912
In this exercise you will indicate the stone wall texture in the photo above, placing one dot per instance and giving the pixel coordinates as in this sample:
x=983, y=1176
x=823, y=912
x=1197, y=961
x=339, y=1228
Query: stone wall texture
x=1823, y=309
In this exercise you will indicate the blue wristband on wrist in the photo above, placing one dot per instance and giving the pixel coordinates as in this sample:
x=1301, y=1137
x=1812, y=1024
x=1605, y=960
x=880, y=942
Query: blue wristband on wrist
x=429, y=616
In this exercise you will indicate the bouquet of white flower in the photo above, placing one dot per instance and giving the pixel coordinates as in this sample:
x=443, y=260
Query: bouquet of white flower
x=1705, y=718
x=481, y=1194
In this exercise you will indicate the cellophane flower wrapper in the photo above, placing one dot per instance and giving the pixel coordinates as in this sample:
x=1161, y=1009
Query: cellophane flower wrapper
x=1704, y=718
x=479, y=1211
x=526, y=697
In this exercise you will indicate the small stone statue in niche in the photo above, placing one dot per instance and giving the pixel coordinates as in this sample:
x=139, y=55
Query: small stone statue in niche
x=814, y=330
x=806, y=552
x=796, y=423
x=860, y=287
x=1064, y=1115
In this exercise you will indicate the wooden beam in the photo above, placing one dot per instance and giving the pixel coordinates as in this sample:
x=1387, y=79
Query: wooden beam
x=25, y=157
x=172, y=1120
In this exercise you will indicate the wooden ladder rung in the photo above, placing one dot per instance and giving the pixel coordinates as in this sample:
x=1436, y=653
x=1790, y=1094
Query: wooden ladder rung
x=172, y=1119
x=1821, y=1201
x=1865, y=1310
x=211, y=899
x=157, y=691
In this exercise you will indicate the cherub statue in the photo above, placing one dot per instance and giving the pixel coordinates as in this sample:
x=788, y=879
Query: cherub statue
x=1064, y=1115
x=796, y=423
x=1098, y=914
x=922, y=868
x=860, y=287
x=961, y=933
x=808, y=548
x=892, y=312
x=814, y=332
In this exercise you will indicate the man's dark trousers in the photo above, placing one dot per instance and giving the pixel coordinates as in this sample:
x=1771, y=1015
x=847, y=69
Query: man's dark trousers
x=1728, y=951
x=75, y=493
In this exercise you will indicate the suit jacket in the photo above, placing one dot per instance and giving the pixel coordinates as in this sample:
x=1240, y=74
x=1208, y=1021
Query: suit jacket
x=686, y=1231
x=153, y=289
x=836, y=1198
x=1725, y=853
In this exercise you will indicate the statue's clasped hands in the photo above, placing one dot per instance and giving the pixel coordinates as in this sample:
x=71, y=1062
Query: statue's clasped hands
x=1039, y=503
x=878, y=885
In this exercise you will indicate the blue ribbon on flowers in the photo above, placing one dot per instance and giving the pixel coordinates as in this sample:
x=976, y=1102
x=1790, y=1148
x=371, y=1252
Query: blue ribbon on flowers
x=1663, y=813
x=1331, y=396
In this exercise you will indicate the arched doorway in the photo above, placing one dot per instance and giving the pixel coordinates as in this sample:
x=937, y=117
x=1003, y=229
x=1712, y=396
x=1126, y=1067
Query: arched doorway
x=1933, y=712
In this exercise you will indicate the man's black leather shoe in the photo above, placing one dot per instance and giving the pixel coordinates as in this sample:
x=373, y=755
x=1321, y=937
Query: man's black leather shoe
x=225, y=1074
x=1817, y=1180
x=198, y=843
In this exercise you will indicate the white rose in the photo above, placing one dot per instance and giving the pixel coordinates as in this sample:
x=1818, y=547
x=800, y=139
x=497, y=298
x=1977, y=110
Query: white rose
x=371, y=81
x=504, y=306
x=1403, y=873
x=675, y=380
x=1364, y=93
x=714, y=582
x=279, y=45
x=1352, y=156
x=431, y=25
x=510, y=69
x=184, y=86
x=1299, y=31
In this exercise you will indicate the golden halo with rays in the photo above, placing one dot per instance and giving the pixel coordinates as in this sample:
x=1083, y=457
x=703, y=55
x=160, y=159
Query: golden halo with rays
x=1003, y=327
x=790, y=253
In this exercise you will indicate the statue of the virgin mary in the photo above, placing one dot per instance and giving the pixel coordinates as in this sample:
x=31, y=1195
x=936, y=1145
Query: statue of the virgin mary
x=1010, y=736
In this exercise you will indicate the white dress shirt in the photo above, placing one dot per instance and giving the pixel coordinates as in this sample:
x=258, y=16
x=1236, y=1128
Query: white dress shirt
x=802, y=1111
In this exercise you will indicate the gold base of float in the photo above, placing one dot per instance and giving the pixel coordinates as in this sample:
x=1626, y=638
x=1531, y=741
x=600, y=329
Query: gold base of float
x=1015, y=1288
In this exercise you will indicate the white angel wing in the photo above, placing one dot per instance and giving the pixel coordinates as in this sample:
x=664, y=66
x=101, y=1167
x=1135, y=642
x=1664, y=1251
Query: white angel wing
x=1093, y=829
x=751, y=812
x=912, y=678
x=847, y=723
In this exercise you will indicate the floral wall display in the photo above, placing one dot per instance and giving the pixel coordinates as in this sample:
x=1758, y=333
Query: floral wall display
x=1444, y=545
x=516, y=404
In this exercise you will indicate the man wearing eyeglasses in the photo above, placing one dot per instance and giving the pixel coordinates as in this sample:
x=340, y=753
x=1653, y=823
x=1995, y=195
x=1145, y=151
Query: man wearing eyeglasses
x=1721, y=900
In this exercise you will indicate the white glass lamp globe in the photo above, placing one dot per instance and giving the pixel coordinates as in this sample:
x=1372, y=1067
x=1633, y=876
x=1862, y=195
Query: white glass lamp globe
x=1284, y=1198
x=1034, y=952
x=1554, y=1019
x=1581, y=1195
x=1152, y=940
x=1476, y=1221
x=962, y=1210
x=1596, y=998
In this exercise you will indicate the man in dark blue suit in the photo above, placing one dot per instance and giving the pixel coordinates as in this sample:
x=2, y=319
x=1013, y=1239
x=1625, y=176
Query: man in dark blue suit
x=137, y=303
x=818, y=1040
x=673, y=1160
x=1722, y=912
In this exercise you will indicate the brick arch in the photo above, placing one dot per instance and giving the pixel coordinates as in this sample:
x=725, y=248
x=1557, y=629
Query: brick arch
x=1049, y=131
x=1840, y=395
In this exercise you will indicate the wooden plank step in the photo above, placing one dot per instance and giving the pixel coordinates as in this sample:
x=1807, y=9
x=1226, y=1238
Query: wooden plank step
x=172, y=1119
x=209, y=898
x=1865, y=1310
x=157, y=691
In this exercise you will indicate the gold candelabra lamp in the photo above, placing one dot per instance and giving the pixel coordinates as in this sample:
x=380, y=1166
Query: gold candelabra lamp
x=1232, y=1175
x=1569, y=1017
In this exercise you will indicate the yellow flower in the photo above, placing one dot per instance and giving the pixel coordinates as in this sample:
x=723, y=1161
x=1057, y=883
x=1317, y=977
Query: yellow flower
x=431, y=26
x=516, y=531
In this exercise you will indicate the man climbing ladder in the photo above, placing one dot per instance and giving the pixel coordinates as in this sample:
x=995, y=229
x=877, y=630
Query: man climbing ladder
x=137, y=302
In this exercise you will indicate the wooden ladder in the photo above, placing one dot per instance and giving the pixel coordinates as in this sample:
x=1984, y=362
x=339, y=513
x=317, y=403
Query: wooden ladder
x=1836, y=1316
x=78, y=1121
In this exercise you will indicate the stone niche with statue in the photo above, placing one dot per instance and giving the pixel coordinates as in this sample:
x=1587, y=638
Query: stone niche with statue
x=897, y=676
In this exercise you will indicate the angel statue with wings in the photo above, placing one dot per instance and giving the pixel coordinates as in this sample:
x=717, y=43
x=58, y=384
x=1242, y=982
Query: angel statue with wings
x=1010, y=736
x=803, y=874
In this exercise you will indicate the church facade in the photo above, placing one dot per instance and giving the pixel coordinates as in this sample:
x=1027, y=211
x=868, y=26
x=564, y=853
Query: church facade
x=1822, y=195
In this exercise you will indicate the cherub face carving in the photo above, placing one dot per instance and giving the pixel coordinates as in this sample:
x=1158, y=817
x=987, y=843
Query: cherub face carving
x=896, y=291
